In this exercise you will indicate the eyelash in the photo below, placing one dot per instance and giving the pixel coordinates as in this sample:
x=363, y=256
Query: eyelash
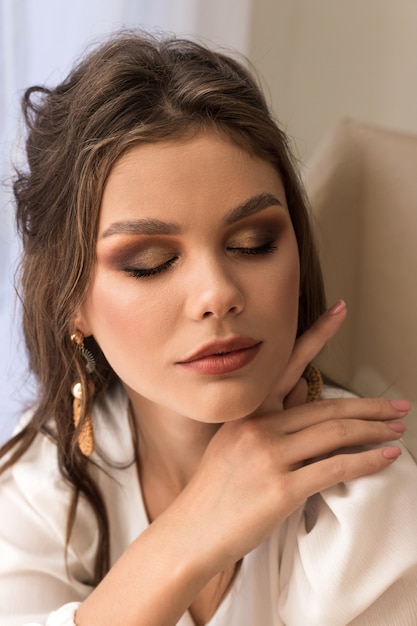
x=146, y=273
x=266, y=248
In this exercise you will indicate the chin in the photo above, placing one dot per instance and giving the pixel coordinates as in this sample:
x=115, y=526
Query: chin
x=227, y=407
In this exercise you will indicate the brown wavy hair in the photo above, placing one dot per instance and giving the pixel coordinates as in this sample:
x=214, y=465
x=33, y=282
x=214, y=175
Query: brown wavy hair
x=131, y=89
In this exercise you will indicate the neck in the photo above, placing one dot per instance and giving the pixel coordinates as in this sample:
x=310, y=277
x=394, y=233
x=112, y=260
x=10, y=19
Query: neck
x=170, y=446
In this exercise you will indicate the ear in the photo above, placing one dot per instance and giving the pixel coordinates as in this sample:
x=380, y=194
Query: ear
x=80, y=322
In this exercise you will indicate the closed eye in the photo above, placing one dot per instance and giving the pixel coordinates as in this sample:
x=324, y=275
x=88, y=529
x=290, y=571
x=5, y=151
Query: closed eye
x=146, y=272
x=266, y=248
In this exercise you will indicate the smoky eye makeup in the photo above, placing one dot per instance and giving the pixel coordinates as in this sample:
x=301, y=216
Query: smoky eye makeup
x=252, y=238
x=138, y=255
x=146, y=256
x=151, y=262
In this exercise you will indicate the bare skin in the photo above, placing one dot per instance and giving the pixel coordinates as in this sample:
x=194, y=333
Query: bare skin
x=252, y=476
x=205, y=255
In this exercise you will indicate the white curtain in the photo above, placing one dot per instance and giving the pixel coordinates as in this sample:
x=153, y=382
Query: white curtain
x=39, y=41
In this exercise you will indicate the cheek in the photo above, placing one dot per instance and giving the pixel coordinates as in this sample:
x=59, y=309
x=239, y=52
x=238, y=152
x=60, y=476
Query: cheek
x=127, y=329
x=280, y=289
x=281, y=305
x=121, y=317
x=111, y=311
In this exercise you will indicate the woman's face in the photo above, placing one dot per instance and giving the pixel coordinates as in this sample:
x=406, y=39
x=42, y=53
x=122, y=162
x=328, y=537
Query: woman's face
x=194, y=297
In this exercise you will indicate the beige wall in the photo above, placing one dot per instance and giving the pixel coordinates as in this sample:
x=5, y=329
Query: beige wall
x=327, y=59
x=324, y=60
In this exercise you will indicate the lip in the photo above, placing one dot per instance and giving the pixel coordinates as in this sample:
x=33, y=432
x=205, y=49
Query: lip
x=222, y=356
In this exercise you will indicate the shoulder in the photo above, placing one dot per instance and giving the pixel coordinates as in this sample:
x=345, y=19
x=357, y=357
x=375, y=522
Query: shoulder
x=363, y=514
x=355, y=539
x=37, y=496
x=355, y=519
x=371, y=493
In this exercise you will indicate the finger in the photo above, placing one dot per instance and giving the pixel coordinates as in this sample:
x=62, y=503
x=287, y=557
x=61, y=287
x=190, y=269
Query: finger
x=297, y=395
x=335, y=435
x=305, y=349
x=375, y=409
x=308, y=346
x=341, y=468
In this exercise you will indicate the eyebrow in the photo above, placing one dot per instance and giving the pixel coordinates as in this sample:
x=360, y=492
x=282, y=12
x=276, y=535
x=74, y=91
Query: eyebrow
x=151, y=226
x=249, y=207
x=143, y=226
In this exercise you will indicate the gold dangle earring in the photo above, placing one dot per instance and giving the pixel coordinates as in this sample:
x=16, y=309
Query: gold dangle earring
x=314, y=382
x=81, y=402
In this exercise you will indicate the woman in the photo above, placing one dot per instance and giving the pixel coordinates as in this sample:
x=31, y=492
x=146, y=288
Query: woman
x=172, y=470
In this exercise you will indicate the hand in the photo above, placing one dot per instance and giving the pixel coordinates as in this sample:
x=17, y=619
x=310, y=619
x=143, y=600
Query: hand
x=255, y=472
x=291, y=389
x=258, y=470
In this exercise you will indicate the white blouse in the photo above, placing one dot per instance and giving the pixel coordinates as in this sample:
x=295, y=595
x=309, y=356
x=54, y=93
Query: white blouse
x=349, y=556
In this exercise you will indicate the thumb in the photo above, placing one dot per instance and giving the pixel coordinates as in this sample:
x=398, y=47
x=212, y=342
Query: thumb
x=306, y=348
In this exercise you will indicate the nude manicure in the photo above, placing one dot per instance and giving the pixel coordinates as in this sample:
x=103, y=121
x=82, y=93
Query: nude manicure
x=401, y=405
x=391, y=453
x=337, y=307
x=398, y=427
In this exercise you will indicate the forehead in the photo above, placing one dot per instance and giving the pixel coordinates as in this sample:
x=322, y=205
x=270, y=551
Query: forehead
x=206, y=167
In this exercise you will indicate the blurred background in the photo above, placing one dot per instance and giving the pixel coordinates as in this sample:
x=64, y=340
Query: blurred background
x=319, y=60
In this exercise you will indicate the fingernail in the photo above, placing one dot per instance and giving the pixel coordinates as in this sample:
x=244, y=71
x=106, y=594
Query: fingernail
x=398, y=427
x=391, y=453
x=337, y=308
x=401, y=405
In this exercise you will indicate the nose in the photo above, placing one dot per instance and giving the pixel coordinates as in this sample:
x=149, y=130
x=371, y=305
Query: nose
x=214, y=292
